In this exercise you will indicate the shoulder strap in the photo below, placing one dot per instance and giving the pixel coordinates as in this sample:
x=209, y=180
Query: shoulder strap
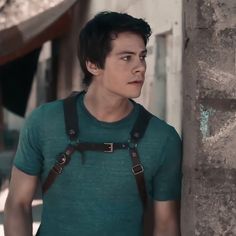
x=72, y=130
x=140, y=125
x=136, y=134
x=70, y=116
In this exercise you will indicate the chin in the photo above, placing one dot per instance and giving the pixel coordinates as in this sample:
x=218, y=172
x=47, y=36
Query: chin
x=129, y=93
x=134, y=94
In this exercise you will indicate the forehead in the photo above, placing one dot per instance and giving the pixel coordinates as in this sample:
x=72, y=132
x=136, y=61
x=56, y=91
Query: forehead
x=127, y=41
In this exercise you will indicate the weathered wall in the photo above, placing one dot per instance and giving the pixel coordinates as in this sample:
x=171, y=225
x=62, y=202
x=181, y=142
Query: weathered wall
x=209, y=187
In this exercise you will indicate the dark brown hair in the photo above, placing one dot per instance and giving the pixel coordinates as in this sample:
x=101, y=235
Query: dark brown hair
x=96, y=36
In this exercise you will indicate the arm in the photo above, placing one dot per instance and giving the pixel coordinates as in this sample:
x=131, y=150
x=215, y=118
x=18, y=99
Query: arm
x=166, y=218
x=18, y=211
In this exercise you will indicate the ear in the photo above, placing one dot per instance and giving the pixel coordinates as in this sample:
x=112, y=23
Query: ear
x=92, y=68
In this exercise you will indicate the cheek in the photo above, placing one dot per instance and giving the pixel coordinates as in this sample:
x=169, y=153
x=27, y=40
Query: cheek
x=145, y=69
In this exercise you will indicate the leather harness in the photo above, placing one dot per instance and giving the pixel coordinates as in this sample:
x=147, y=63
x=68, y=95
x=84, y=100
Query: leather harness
x=72, y=130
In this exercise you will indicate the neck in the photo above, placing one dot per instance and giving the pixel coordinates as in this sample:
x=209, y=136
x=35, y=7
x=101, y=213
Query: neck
x=106, y=106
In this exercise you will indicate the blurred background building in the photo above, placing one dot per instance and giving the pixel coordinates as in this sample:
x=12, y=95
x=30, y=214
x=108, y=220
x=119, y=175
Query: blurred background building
x=190, y=83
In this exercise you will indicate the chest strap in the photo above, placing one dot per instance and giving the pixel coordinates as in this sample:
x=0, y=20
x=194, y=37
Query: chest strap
x=72, y=130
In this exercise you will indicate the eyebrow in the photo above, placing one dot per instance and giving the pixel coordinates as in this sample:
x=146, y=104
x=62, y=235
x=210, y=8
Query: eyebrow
x=131, y=52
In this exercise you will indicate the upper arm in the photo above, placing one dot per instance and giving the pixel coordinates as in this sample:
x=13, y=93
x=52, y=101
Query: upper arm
x=29, y=154
x=22, y=188
x=166, y=217
x=166, y=182
x=167, y=188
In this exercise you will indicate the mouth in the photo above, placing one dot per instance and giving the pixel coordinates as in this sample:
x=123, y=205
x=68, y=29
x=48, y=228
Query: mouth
x=138, y=82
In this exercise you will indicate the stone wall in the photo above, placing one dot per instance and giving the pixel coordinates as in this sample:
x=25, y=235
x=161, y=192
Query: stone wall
x=209, y=187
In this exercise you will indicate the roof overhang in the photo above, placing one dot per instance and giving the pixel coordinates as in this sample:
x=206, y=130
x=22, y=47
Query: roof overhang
x=21, y=39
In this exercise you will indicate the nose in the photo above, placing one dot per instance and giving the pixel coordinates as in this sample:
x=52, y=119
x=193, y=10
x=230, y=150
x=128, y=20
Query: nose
x=139, y=67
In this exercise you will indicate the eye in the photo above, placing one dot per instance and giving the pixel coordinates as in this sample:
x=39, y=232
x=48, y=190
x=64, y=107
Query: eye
x=126, y=58
x=143, y=57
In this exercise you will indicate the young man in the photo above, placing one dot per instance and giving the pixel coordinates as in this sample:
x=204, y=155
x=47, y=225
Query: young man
x=97, y=194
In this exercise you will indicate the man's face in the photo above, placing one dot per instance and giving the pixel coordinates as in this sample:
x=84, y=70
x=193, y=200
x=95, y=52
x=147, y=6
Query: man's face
x=125, y=66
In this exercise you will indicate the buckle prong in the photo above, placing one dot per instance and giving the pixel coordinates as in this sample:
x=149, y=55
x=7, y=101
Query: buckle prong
x=110, y=147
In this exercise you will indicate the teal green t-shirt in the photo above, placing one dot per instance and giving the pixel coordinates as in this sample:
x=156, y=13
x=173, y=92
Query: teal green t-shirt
x=98, y=196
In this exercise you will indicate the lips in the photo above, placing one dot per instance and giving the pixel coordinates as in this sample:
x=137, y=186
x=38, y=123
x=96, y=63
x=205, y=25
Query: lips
x=136, y=82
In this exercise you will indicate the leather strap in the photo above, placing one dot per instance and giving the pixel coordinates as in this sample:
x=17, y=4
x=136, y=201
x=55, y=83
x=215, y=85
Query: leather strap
x=136, y=134
x=70, y=116
x=62, y=160
x=100, y=147
x=138, y=172
x=140, y=125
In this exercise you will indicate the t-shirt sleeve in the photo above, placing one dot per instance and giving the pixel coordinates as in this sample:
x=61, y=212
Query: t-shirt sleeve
x=168, y=177
x=28, y=157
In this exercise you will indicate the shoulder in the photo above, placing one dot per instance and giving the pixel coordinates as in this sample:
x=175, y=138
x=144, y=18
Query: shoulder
x=43, y=113
x=156, y=124
x=49, y=108
x=160, y=131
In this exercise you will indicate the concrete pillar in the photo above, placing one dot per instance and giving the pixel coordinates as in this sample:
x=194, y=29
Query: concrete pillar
x=209, y=124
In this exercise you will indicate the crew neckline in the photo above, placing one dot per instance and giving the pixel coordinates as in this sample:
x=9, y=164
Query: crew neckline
x=124, y=121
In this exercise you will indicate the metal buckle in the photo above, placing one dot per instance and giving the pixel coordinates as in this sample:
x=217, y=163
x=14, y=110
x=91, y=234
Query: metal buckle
x=62, y=159
x=110, y=147
x=140, y=169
